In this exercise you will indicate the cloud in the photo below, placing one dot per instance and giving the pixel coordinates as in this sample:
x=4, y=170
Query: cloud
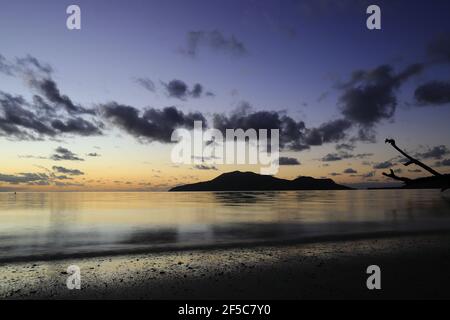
x=369, y=174
x=5, y=66
x=72, y=172
x=29, y=156
x=443, y=163
x=49, y=89
x=433, y=93
x=345, y=146
x=350, y=171
x=152, y=124
x=369, y=96
x=197, y=90
x=30, y=178
x=146, y=83
x=68, y=184
x=65, y=154
x=344, y=155
x=287, y=161
x=29, y=62
x=158, y=124
x=291, y=136
x=215, y=40
x=331, y=157
x=43, y=116
x=383, y=165
x=204, y=167
x=93, y=154
x=17, y=120
x=434, y=153
x=180, y=90
x=177, y=89
x=332, y=131
x=78, y=126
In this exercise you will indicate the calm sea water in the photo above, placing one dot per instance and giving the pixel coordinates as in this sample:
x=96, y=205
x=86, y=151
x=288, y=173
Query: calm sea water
x=52, y=225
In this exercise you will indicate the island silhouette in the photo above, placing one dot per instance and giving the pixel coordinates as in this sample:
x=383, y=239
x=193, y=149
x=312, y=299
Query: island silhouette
x=250, y=181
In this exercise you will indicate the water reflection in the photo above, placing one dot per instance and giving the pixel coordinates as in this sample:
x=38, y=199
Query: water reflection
x=33, y=224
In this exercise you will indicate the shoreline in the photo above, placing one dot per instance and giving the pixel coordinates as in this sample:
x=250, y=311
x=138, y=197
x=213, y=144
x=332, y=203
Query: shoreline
x=168, y=249
x=412, y=266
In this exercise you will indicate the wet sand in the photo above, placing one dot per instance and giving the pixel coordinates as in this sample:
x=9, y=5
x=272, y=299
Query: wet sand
x=411, y=267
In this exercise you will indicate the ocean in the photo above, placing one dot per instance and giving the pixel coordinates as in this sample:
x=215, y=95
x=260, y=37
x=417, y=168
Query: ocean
x=46, y=226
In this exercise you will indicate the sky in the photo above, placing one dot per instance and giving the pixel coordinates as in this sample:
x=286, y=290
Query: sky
x=94, y=109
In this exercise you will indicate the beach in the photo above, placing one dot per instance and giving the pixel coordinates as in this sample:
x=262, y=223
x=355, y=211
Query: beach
x=412, y=266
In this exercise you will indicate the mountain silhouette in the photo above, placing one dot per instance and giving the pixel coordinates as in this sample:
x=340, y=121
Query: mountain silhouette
x=250, y=181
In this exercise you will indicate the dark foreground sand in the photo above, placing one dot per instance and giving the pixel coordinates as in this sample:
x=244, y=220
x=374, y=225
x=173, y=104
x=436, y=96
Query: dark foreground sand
x=412, y=267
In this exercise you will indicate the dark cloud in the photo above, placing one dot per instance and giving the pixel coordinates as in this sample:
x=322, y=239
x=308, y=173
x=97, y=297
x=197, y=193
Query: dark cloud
x=64, y=154
x=29, y=63
x=147, y=84
x=369, y=174
x=331, y=157
x=45, y=116
x=180, y=90
x=16, y=119
x=350, y=171
x=345, y=146
x=443, y=163
x=68, y=184
x=49, y=89
x=23, y=120
x=287, y=161
x=291, y=136
x=34, y=178
x=197, y=90
x=434, y=153
x=93, y=154
x=72, y=172
x=177, y=89
x=215, y=40
x=344, y=155
x=204, y=167
x=383, y=165
x=78, y=126
x=332, y=131
x=433, y=93
x=369, y=96
x=152, y=124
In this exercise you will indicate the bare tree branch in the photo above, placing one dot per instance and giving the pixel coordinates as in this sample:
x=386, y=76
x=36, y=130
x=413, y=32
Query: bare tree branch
x=411, y=159
x=392, y=175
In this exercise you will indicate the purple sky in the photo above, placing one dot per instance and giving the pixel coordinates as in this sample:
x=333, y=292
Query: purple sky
x=298, y=58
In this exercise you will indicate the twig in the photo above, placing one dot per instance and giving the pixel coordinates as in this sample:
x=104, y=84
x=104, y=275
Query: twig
x=392, y=175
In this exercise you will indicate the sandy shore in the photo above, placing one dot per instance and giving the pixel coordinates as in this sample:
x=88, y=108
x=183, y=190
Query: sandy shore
x=412, y=267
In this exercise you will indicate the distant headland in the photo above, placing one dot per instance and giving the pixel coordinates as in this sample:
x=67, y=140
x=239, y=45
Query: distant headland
x=250, y=181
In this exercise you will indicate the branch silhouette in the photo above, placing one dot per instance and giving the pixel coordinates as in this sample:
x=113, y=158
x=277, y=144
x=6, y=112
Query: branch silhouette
x=437, y=180
x=411, y=159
